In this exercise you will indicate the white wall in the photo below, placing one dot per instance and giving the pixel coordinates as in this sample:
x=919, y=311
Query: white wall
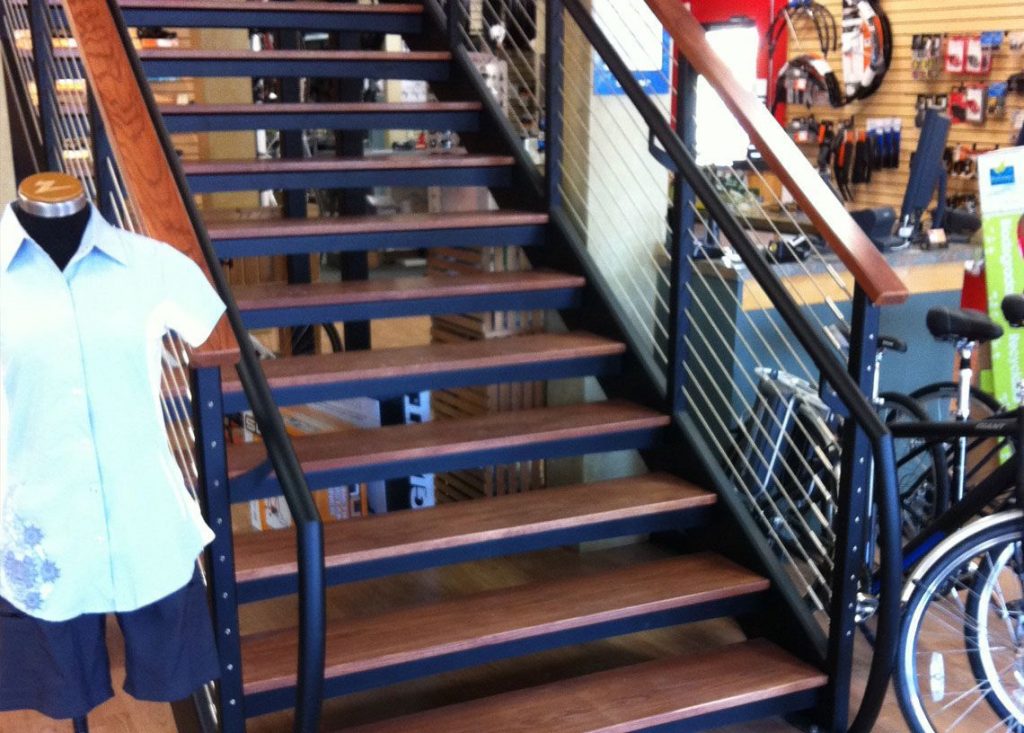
x=7, y=190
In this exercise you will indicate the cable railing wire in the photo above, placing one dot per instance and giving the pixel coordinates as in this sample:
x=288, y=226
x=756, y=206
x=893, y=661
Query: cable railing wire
x=15, y=25
x=699, y=303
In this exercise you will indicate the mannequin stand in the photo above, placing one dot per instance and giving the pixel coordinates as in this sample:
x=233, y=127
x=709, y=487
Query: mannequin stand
x=81, y=725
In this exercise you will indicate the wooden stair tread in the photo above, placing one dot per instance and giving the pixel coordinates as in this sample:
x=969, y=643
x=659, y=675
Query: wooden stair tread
x=504, y=615
x=297, y=6
x=377, y=162
x=284, y=108
x=263, y=555
x=634, y=697
x=285, y=295
x=223, y=230
x=222, y=54
x=357, y=448
x=357, y=366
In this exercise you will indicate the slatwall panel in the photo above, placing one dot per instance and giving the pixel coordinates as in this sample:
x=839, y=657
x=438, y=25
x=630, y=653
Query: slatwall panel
x=898, y=95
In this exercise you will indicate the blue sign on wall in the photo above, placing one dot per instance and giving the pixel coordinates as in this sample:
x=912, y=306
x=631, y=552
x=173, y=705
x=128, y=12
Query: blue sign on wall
x=654, y=81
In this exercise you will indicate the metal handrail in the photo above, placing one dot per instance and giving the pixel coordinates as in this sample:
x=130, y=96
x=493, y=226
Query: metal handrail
x=832, y=370
x=308, y=524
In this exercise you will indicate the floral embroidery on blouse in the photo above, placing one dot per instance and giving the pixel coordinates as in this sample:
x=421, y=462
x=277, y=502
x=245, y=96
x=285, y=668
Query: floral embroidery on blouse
x=27, y=572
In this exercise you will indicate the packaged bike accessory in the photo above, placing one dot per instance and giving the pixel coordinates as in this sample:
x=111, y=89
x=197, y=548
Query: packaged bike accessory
x=997, y=99
x=974, y=59
x=926, y=55
x=991, y=42
x=957, y=106
x=1015, y=84
x=975, y=103
x=956, y=50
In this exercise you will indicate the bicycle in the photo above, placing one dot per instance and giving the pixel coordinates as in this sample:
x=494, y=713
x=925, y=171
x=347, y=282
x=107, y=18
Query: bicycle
x=961, y=643
x=791, y=463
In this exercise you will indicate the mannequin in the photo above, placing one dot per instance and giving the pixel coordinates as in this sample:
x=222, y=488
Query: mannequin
x=95, y=518
x=54, y=211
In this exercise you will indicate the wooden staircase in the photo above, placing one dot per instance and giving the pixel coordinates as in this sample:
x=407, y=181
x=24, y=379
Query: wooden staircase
x=737, y=682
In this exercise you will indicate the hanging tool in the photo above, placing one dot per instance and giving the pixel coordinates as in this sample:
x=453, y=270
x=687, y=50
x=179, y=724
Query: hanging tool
x=843, y=162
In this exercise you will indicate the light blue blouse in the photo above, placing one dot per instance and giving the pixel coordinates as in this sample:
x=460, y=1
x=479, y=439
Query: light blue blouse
x=94, y=513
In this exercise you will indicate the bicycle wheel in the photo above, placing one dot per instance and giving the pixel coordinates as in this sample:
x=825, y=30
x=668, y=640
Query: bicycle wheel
x=939, y=402
x=920, y=466
x=994, y=631
x=936, y=684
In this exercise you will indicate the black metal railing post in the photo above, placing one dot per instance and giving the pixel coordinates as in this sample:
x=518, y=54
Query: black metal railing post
x=554, y=89
x=852, y=521
x=46, y=84
x=101, y=157
x=211, y=458
x=457, y=17
x=299, y=267
x=681, y=246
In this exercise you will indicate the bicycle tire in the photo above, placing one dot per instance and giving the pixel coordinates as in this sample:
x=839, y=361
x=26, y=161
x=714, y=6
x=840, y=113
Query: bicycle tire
x=990, y=585
x=920, y=467
x=949, y=572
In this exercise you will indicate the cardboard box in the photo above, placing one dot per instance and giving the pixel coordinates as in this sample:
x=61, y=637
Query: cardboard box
x=335, y=503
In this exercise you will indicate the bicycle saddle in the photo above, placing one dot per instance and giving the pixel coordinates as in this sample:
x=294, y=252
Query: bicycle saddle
x=951, y=324
x=1013, y=310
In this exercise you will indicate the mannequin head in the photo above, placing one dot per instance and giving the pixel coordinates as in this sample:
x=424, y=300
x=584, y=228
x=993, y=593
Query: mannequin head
x=54, y=211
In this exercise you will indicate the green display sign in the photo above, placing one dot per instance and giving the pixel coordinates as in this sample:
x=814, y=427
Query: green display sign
x=1001, y=184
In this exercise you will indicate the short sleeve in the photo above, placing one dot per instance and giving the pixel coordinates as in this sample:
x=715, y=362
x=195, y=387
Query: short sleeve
x=192, y=305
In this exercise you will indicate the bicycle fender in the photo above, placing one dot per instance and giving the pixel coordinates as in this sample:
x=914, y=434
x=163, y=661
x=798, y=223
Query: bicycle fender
x=965, y=532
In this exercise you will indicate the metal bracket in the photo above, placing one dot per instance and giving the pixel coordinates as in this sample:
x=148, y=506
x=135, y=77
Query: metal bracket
x=659, y=154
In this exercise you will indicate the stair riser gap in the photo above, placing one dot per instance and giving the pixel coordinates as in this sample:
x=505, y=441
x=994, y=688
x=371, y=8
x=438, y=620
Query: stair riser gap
x=527, y=301
x=253, y=18
x=519, y=236
x=262, y=120
x=393, y=387
x=250, y=486
x=253, y=591
x=251, y=68
x=738, y=714
x=498, y=176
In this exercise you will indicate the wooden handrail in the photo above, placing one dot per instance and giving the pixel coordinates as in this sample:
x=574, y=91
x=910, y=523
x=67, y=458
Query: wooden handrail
x=135, y=142
x=870, y=269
